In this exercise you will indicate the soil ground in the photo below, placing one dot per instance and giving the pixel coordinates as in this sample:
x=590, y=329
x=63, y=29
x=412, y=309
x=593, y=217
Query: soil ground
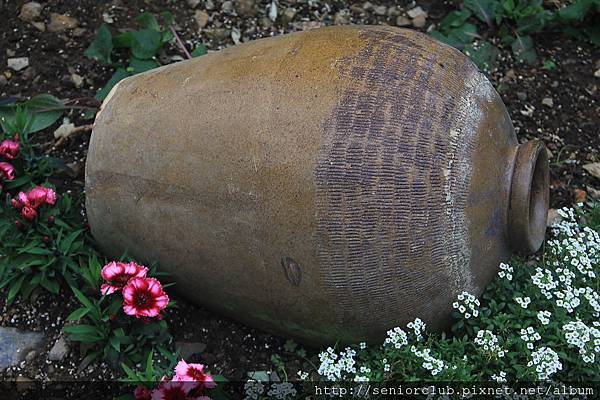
x=569, y=127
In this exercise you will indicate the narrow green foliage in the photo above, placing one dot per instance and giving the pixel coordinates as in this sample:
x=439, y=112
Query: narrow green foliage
x=40, y=256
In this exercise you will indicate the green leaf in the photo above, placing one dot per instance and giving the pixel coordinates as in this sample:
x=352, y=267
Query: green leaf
x=549, y=64
x=534, y=23
x=129, y=372
x=123, y=40
x=464, y=34
x=115, y=343
x=42, y=110
x=484, y=55
x=50, y=285
x=78, y=314
x=65, y=244
x=83, y=299
x=455, y=19
x=87, y=360
x=146, y=43
x=81, y=330
x=149, y=362
x=166, y=36
x=483, y=9
x=14, y=288
x=148, y=21
x=220, y=379
x=523, y=49
x=39, y=251
x=167, y=17
x=137, y=66
x=42, y=102
x=200, y=50
x=17, y=182
x=576, y=11
x=445, y=39
x=119, y=75
x=101, y=47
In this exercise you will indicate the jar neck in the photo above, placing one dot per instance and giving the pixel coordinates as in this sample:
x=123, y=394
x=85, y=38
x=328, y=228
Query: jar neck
x=529, y=197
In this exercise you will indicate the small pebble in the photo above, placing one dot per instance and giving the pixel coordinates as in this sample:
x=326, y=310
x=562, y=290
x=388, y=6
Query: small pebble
x=17, y=64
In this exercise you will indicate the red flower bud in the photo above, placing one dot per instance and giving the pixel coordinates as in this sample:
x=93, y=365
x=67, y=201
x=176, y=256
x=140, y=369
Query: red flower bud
x=46, y=239
x=51, y=220
x=29, y=213
x=9, y=149
x=7, y=171
x=19, y=224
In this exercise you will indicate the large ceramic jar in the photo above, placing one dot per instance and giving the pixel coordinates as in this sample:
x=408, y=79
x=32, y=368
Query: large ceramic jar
x=326, y=185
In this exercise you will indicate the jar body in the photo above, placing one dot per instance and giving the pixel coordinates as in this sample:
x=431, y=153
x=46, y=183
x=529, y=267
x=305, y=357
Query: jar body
x=326, y=185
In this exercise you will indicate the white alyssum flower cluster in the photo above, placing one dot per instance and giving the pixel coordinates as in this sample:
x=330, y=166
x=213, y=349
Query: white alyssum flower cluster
x=500, y=377
x=523, y=301
x=302, y=375
x=282, y=390
x=335, y=367
x=577, y=252
x=585, y=338
x=579, y=247
x=363, y=378
x=506, y=271
x=396, y=337
x=546, y=362
x=544, y=317
x=569, y=298
x=593, y=299
x=430, y=363
x=386, y=367
x=530, y=336
x=253, y=389
x=467, y=304
x=544, y=280
x=418, y=328
x=489, y=342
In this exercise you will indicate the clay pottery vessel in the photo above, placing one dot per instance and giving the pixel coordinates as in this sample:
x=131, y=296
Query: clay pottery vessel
x=325, y=185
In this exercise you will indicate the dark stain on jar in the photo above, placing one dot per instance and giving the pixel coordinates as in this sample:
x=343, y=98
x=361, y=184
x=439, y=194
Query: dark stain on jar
x=292, y=270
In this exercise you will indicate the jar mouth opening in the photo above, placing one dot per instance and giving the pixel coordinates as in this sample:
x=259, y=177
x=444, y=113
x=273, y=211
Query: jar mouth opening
x=538, y=200
x=529, y=197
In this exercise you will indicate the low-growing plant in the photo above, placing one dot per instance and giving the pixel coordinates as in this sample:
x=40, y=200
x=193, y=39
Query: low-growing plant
x=120, y=321
x=19, y=121
x=181, y=381
x=141, y=48
x=40, y=243
x=45, y=247
x=513, y=23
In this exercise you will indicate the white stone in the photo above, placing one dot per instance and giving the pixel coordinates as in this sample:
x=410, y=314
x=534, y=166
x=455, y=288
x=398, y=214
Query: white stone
x=593, y=169
x=19, y=63
x=417, y=12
